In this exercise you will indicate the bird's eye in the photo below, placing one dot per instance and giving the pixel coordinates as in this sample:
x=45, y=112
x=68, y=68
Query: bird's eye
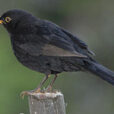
x=8, y=19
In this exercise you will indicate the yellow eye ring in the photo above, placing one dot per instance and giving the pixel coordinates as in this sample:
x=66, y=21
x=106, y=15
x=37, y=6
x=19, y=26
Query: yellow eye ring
x=8, y=19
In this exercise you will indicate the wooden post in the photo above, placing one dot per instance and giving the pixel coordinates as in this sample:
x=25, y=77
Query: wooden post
x=47, y=103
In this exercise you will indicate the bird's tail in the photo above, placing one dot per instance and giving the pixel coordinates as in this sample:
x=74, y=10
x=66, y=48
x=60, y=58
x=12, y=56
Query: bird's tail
x=100, y=71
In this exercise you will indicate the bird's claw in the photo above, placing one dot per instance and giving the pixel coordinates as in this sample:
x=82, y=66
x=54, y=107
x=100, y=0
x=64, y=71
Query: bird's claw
x=38, y=90
x=49, y=89
x=24, y=93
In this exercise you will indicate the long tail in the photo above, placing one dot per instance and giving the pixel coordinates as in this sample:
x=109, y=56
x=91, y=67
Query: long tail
x=100, y=71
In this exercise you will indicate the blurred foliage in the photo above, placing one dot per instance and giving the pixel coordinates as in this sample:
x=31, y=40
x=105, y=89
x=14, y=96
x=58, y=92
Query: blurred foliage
x=93, y=22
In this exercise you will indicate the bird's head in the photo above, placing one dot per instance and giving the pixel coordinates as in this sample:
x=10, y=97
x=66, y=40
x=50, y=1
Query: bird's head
x=15, y=20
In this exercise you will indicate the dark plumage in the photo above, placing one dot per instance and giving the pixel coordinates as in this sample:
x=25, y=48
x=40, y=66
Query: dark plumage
x=47, y=48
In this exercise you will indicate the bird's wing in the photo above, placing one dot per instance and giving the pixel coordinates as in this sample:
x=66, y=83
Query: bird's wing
x=52, y=50
x=82, y=44
x=61, y=39
x=31, y=48
x=48, y=50
x=55, y=42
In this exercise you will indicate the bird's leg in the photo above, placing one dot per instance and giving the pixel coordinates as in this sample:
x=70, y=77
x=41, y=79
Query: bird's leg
x=49, y=88
x=42, y=82
x=37, y=89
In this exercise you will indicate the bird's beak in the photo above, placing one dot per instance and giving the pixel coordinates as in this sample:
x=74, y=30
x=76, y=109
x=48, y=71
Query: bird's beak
x=1, y=21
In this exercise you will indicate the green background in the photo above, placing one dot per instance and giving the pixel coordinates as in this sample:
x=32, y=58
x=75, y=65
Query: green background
x=93, y=22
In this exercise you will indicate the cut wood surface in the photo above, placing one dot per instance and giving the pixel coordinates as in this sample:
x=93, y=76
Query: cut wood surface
x=47, y=103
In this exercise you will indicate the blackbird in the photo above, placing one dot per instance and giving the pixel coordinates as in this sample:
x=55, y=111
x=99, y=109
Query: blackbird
x=47, y=48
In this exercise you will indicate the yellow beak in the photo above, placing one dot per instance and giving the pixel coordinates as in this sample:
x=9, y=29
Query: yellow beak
x=1, y=21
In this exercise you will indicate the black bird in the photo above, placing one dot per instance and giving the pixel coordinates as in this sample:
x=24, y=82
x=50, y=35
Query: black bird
x=47, y=48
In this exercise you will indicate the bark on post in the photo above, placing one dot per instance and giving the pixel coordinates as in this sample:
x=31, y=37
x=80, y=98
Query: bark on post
x=47, y=103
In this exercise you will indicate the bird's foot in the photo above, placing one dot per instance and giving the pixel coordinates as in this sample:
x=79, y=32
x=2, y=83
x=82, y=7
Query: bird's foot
x=49, y=89
x=38, y=90
x=23, y=93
